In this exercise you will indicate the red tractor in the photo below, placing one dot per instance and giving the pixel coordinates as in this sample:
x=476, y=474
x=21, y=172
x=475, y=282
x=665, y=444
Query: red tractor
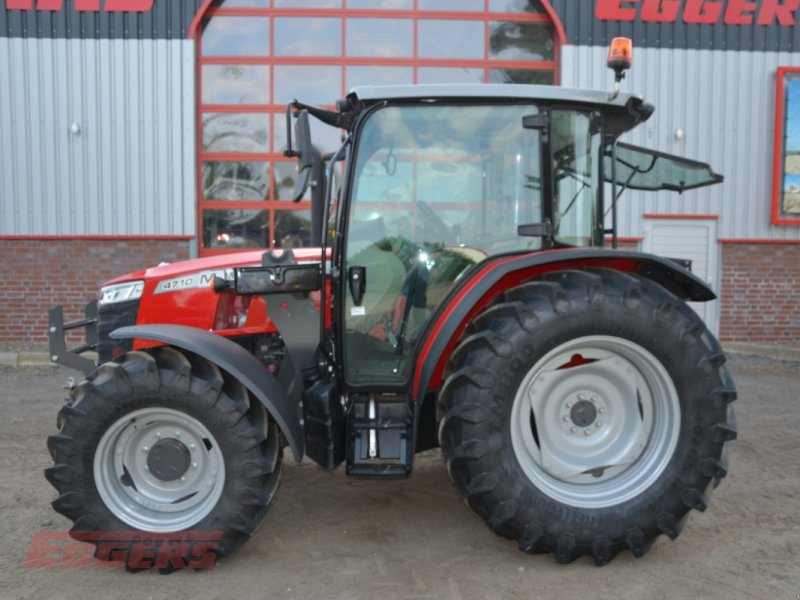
x=461, y=296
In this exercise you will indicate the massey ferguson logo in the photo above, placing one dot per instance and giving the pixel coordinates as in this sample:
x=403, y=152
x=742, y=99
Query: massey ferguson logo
x=83, y=5
x=729, y=12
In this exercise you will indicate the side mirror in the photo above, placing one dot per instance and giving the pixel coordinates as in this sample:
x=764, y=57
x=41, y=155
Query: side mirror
x=304, y=151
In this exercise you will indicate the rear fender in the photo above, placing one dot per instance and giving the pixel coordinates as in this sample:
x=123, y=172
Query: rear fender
x=491, y=278
x=280, y=399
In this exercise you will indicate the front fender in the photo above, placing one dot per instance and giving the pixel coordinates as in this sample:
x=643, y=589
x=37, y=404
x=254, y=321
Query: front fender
x=493, y=277
x=237, y=361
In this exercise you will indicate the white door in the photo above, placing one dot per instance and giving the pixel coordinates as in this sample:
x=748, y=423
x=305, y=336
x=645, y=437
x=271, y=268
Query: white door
x=695, y=240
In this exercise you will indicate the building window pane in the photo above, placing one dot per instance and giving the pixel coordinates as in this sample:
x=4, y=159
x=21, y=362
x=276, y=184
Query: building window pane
x=302, y=36
x=292, y=228
x=449, y=75
x=380, y=38
x=307, y=83
x=285, y=178
x=241, y=3
x=235, y=84
x=236, y=132
x=521, y=41
x=235, y=180
x=308, y=3
x=324, y=137
x=451, y=39
x=381, y=4
x=378, y=76
x=521, y=76
x=528, y=6
x=236, y=36
x=451, y=5
x=235, y=228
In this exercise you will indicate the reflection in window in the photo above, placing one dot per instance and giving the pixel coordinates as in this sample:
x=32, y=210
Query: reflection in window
x=235, y=228
x=529, y=6
x=292, y=228
x=285, y=177
x=308, y=3
x=241, y=3
x=449, y=75
x=236, y=36
x=306, y=36
x=324, y=137
x=450, y=39
x=235, y=180
x=521, y=76
x=381, y=4
x=235, y=84
x=311, y=84
x=235, y=132
x=451, y=5
x=521, y=41
x=378, y=76
x=380, y=38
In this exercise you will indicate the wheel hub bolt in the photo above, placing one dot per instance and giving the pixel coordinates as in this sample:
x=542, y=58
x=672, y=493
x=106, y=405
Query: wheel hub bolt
x=587, y=432
x=598, y=424
x=145, y=449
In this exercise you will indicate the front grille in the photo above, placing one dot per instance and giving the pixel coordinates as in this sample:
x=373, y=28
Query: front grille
x=109, y=318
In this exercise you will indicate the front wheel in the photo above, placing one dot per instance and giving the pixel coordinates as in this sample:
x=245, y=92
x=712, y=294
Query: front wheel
x=586, y=413
x=159, y=443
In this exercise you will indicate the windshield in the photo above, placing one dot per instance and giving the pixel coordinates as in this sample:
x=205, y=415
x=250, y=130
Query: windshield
x=437, y=189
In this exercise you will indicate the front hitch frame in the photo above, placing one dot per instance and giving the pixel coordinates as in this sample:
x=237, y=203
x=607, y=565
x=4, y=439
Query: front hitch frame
x=56, y=336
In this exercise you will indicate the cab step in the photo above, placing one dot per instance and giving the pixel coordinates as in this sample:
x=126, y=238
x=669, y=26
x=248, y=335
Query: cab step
x=380, y=432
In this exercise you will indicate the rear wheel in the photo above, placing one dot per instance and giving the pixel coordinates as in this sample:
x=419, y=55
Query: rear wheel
x=586, y=413
x=159, y=443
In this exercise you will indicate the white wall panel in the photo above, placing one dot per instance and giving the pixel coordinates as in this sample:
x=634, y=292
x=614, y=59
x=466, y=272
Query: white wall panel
x=725, y=103
x=130, y=171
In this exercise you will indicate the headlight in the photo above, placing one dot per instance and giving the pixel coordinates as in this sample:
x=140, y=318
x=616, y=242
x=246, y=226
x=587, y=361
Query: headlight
x=121, y=292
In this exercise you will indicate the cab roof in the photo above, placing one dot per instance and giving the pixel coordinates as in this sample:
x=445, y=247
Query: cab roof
x=547, y=93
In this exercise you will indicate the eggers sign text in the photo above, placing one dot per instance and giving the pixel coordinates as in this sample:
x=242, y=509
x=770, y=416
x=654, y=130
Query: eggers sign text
x=729, y=12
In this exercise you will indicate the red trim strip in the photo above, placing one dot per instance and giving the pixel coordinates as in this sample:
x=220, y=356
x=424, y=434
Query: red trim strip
x=760, y=242
x=357, y=61
x=683, y=217
x=198, y=18
x=778, y=167
x=560, y=32
x=391, y=14
x=123, y=238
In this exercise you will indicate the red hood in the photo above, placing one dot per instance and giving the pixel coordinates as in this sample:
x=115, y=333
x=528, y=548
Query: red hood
x=220, y=261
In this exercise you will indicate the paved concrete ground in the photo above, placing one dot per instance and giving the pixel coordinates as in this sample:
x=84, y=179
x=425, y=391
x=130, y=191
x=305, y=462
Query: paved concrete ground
x=330, y=537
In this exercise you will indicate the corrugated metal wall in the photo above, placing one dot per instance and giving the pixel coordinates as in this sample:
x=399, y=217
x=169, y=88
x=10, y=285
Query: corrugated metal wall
x=725, y=104
x=130, y=170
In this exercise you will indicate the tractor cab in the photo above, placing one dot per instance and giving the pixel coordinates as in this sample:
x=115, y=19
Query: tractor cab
x=439, y=179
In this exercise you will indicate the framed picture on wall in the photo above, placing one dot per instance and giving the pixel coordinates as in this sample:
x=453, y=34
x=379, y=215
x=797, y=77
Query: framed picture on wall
x=786, y=174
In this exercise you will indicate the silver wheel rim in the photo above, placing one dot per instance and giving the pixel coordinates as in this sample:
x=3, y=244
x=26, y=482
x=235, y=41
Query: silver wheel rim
x=595, y=422
x=139, y=498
